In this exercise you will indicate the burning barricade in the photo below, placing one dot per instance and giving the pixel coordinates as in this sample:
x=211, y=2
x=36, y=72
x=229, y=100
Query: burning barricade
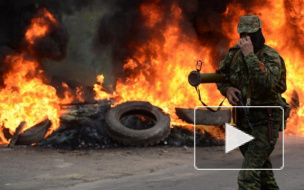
x=151, y=60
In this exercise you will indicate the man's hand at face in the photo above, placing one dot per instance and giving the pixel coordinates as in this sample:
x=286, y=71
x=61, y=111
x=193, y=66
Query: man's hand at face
x=246, y=45
x=231, y=95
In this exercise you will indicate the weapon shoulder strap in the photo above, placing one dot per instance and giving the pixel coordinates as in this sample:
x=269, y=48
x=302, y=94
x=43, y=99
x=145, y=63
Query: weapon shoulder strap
x=234, y=58
x=207, y=107
x=199, y=92
x=248, y=100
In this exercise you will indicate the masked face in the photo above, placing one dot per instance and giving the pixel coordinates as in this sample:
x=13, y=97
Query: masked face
x=257, y=39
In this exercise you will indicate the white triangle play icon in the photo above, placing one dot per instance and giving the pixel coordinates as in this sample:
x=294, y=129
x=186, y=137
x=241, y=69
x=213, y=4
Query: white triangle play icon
x=235, y=138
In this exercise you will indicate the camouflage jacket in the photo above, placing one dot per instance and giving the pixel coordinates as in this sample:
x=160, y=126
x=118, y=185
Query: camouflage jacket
x=262, y=70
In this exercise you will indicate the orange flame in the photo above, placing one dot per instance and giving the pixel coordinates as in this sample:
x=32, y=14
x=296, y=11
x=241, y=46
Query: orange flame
x=68, y=95
x=100, y=92
x=39, y=25
x=163, y=80
x=278, y=33
x=25, y=97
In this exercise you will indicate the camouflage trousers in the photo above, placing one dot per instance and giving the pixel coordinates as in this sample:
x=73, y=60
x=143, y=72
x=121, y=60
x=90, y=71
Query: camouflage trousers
x=256, y=155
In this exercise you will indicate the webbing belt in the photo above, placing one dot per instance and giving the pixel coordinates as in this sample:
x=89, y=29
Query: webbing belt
x=270, y=128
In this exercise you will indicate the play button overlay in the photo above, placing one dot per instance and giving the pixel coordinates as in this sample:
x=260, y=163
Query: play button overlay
x=218, y=138
x=235, y=138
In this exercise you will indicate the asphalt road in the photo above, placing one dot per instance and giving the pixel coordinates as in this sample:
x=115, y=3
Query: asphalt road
x=157, y=168
x=184, y=176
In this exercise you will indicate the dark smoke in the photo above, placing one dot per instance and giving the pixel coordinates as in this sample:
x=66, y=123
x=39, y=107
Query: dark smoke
x=15, y=18
x=295, y=100
x=123, y=31
x=53, y=45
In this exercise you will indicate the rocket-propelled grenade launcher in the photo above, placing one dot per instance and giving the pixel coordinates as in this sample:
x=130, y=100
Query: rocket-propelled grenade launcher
x=195, y=77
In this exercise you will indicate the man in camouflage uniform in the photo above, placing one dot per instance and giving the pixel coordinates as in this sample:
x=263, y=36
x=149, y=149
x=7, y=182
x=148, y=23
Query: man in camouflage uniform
x=254, y=72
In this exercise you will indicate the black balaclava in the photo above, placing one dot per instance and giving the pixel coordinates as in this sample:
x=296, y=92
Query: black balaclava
x=257, y=40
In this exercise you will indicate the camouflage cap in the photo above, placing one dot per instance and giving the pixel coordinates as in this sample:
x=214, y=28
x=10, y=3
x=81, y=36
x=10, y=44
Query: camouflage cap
x=249, y=24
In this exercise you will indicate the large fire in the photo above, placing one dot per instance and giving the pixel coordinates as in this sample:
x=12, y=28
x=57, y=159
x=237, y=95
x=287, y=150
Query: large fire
x=278, y=24
x=168, y=72
x=25, y=96
x=160, y=79
x=177, y=54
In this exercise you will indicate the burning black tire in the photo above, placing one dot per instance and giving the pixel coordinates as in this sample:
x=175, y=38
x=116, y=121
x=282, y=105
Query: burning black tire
x=137, y=124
